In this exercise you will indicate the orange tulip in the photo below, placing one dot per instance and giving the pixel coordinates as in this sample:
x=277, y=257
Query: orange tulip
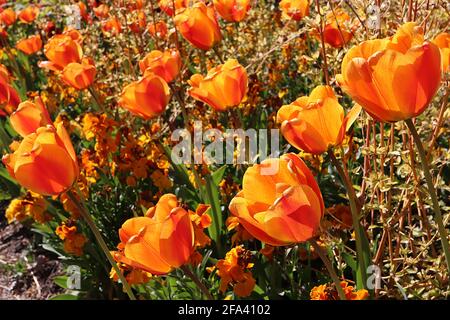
x=165, y=64
x=158, y=29
x=295, y=9
x=102, y=11
x=442, y=40
x=337, y=31
x=224, y=87
x=138, y=23
x=9, y=98
x=61, y=50
x=45, y=161
x=199, y=26
x=79, y=75
x=167, y=5
x=232, y=10
x=146, y=98
x=282, y=208
x=29, y=14
x=112, y=25
x=83, y=10
x=30, y=45
x=8, y=16
x=316, y=123
x=30, y=116
x=394, y=78
x=160, y=241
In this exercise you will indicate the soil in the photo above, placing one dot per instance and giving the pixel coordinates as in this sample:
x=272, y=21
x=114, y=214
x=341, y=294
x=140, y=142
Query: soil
x=26, y=271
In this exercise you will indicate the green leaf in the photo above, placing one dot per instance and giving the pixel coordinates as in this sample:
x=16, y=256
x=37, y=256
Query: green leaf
x=64, y=296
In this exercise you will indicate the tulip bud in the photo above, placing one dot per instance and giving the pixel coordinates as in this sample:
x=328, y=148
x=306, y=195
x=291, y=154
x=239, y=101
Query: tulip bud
x=283, y=208
x=337, y=31
x=316, y=123
x=30, y=45
x=224, y=87
x=395, y=78
x=164, y=64
x=45, y=161
x=8, y=17
x=29, y=14
x=61, y=50
x=295, y=9
x=160, y=241
x=146, y=98
x=442, y=40
x=232, y=11
x=79, y=75
x=199, y=26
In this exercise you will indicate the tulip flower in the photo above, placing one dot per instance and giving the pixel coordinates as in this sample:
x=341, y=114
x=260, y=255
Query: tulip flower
x=79, y=75
x=224, y=86
x=232, y=10
x=167, y=5
x=395, y=78
x=160, y=241
x=199, y=26
x=316, y=123
x=442, y=40
x=295, y=9
x=30, y=45
x=29, y=14
x=146, y=98
x=282, y=208
x=61, y=50
x=8, y=17
x=164, y=64
x=9, y=98
x=30, y=116
x=337, y=31
x=158, y=29
x=112, y=25
x=45, y=161
x=102, y=11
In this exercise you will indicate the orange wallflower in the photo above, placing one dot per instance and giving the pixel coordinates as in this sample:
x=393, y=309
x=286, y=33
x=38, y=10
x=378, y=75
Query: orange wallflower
x=73, y=241
x=112, y=25
x=102, y=11
x=167, y=5
x=30, y=45
x=198, y=25
x=45, y=161
x=295, y=9
x=32, y=205
x=165, y=64
x=60, y=51
x=337, y=31
x=280, y=202
x=328, y=292
x=160, y=241
x=442, y=40
x=8, y=17
x=146, y=98
x=232, y=10
x=79, y=75
x=316, y=123
x=29, y=116
x=29, y=14
x=234, y=270
x=394, y=78
x=224, y=86
x=158, y=29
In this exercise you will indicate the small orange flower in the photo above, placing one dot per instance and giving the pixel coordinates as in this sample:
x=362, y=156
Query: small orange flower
x=30, y=45
x=337, y=31
x=102, y=11
x=224, y=87
x=8, y=17
x=160, y=241
x=316, y=123
x=394, y=78
x=158, y=29
x=73, y=241
x=29, y=116
x=60, y=51
x=295, y=9
x=199, y=26
x=79, y=75
x=280, y=202
x=146, y=98
x=442, y=40
x=232, y=10
x=165, y=64
x=167, y=5
x=29, y=14
x=112, y=25
x=329, y=292
x=45, y=161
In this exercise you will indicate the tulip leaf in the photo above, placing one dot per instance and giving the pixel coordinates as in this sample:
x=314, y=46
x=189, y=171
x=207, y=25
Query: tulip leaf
x=218, y=175
x=213, y=197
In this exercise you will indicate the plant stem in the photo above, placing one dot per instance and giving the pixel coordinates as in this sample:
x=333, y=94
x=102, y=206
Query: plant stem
x=94, y=94
x=432, y=191
x=197, y=282
x=87, y=217
x=355, y=216
x=330, y=269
